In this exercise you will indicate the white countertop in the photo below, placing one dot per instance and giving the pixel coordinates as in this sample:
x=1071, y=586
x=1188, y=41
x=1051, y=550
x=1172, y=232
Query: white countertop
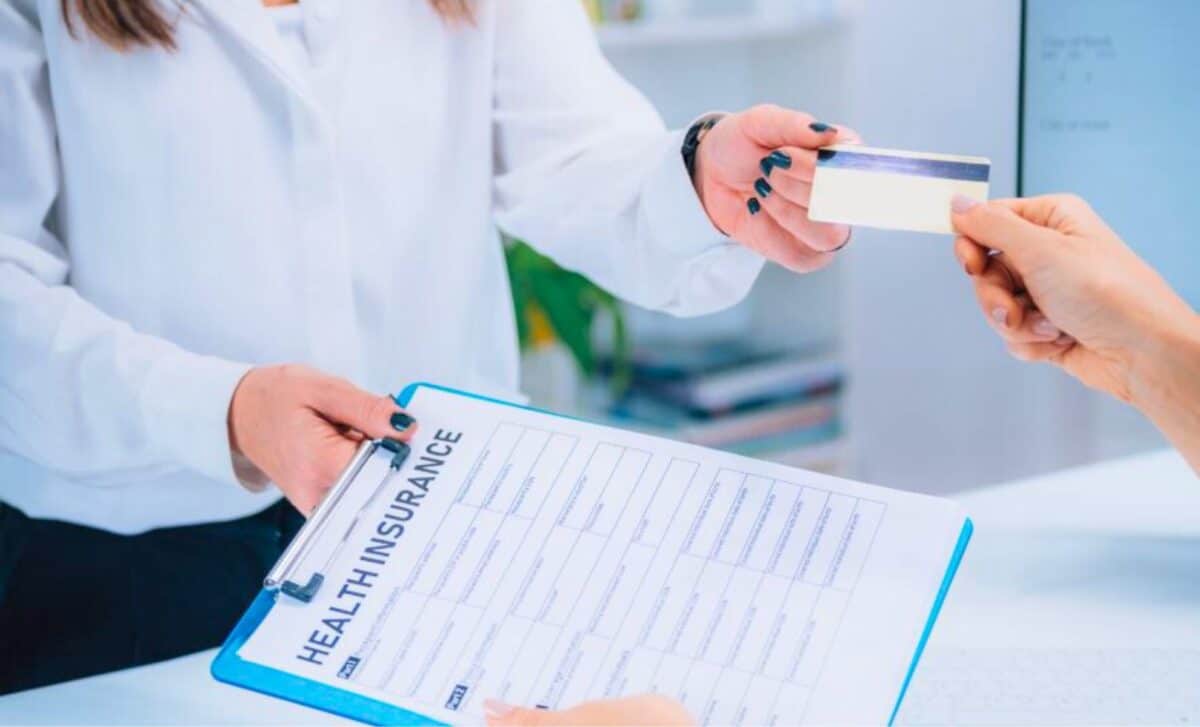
x=1093, y=557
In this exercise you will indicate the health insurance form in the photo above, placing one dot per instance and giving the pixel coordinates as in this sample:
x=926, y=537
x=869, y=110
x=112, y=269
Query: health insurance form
x=546, y=561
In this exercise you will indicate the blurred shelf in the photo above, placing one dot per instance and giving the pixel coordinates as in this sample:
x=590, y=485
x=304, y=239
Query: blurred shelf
x=832, y=457
x=686, y=31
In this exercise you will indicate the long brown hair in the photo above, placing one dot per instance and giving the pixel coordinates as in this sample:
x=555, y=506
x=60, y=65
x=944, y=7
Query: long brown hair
x=127, y=24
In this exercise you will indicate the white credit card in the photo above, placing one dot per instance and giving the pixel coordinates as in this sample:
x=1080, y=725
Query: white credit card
x=893, y=190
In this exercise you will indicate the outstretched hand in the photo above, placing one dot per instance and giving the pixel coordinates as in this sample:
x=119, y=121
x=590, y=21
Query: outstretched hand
x=1066, y=289
x=754, y=173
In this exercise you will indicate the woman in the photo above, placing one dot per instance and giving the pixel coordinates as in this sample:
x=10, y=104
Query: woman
x=1064, y=289
x=215, y=215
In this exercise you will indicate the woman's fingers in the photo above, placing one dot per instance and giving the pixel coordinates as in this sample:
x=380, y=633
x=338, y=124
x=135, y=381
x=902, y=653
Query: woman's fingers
x=996, y=226
x=793, y=190
x=972, y=256
x=1010, y=313
x=793, y=162
x=977, y=260
x=780, y=245
x=1062, y=212
x=799, y=162
x=774, y=127
x=793, y=218
x=374, y=415
x=300, y=427
x=644, y=709
x=999, y=304
x=1036, y=328
x=846, y=135
x=1053, y=352
x=1000, y=292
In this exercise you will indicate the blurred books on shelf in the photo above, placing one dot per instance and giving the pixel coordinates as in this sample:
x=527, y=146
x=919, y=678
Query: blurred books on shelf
x=604, y=12
x=736, y=396
x=680, y=24
x=607, y=11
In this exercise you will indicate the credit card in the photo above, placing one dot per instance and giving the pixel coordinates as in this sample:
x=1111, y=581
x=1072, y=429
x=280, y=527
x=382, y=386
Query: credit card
x=893, y=190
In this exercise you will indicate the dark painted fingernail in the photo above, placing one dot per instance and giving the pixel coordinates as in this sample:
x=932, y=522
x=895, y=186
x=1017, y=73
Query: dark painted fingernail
x=763, y=189
x=401, y=421
x=821, y=127
x=766, y=166
x=753, y=205
x=780, y=159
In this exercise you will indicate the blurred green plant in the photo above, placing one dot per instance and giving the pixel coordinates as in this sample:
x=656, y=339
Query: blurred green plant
x=553, y=303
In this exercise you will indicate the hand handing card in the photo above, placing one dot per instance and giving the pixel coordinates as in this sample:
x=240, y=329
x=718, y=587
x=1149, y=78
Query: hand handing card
x=896, y=190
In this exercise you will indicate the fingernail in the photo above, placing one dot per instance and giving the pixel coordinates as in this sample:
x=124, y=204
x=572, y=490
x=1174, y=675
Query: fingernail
x=1046, y=329
x=495, y=709
x=780, y=159
x=753, y=205
x=763, y=189
x=1000, y=315
x=766, y=166
x=821, y=127
x=962, y=203
x=401, y=421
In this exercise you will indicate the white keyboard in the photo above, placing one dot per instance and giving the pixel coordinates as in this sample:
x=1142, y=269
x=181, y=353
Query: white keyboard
x=1055, y=687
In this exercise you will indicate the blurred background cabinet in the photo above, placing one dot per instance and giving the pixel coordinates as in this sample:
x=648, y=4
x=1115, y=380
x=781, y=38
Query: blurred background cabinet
x=926, y=398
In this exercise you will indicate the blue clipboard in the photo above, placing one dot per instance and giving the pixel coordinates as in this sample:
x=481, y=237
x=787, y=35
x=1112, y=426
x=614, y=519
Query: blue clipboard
x=230, y=668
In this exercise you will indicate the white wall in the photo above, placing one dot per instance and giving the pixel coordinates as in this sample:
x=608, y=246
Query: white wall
x=937, y=404
x=809, y=72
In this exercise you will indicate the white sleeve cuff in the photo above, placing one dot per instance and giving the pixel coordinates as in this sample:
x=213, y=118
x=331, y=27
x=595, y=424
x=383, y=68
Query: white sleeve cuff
x=672, y=208
x=186, y=403
x=715, y=271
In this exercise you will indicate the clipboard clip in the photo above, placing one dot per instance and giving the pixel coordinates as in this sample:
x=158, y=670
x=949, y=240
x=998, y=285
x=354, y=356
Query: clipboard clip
x=283, y=575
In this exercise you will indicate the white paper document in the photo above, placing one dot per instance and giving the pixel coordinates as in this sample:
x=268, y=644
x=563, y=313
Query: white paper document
x=546, y=561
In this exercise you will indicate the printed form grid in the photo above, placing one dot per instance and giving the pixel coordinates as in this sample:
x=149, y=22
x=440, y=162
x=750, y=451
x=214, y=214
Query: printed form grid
x=783, y=582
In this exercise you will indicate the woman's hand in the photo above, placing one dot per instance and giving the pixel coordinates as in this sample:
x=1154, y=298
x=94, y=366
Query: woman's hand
x=754, y=173
x=301, y=427
x=1068, y=291
x=646, y=709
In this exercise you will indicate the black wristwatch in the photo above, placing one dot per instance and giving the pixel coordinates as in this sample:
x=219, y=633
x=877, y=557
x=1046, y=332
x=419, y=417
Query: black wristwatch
x=693, y=137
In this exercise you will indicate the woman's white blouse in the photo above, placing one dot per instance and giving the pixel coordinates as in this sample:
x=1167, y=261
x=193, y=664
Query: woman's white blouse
x=170, y=219
x=289, y=23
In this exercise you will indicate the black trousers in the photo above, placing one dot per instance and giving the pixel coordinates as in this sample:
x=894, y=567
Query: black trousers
x=76, y=601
